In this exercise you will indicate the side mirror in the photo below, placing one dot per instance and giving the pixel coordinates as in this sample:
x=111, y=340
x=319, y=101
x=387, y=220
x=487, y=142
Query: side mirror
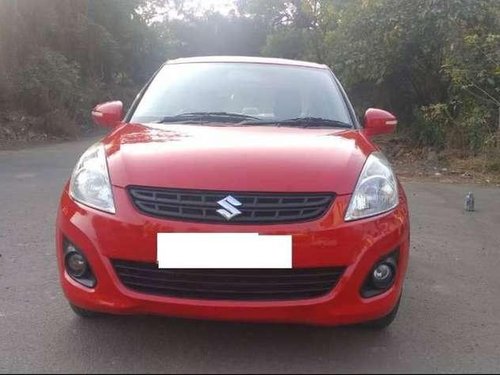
x=378, y=122
x=108, y=114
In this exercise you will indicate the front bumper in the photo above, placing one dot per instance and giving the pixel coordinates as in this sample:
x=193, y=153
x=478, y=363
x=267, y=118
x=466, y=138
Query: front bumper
x=326, y=242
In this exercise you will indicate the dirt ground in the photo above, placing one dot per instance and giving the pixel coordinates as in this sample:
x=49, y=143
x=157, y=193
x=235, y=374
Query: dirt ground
x=19, y=130
x=427, y=165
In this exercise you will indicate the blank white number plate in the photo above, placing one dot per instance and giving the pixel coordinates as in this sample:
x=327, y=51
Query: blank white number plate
x=223, y=250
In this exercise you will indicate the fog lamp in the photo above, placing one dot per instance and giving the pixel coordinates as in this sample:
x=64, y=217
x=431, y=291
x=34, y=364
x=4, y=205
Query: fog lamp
x=382, y=275
x=76, y=264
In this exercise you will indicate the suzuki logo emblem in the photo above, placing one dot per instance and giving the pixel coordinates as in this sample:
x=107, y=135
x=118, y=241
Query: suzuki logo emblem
x=229, y=209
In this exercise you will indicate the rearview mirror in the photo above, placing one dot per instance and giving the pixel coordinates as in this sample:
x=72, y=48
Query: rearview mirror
x=108, y=114
x=378, y=122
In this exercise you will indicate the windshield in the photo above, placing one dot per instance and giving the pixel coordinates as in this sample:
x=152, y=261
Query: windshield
x=260, y=92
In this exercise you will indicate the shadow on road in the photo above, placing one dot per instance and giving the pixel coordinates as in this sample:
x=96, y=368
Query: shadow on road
x=227, y=347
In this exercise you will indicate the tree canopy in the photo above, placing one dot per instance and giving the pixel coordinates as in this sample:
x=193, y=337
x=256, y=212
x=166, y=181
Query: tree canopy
x=435, y=64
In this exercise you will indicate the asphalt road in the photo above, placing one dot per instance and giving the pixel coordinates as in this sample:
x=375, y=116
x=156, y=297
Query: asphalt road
x=449, y=319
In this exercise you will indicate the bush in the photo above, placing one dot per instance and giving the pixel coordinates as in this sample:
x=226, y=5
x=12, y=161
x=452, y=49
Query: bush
x=456, y=127
x=474, y=126
x=58, y=122
x=430, y=126
x=48, y=81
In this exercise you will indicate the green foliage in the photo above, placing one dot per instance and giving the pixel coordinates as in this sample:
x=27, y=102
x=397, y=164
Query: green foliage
x=63, y=57
x=48, y=87
x=48, y=81
x=434, y=63
x=289, y=44
x=431, y=124
x=213, y=34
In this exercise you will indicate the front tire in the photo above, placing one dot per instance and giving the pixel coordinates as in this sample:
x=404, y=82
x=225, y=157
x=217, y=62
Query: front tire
x=83, y=313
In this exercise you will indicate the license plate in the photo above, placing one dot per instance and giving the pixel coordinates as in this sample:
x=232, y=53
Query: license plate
x=223, y=250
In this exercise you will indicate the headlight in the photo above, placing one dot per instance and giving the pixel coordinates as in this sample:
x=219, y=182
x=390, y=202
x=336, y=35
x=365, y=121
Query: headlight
x=376, y=191
x=90, y=180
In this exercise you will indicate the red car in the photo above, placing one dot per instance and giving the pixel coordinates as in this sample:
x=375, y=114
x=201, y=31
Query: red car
x=239, y=189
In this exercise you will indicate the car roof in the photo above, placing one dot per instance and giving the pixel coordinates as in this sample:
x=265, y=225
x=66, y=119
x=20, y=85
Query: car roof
x=245, y=59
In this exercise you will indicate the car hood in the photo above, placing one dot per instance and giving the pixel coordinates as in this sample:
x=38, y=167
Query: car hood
x=231, y=158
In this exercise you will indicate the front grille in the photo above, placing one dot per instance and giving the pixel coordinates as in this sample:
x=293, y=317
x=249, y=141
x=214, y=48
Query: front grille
x=228, y=284
x=256, y=208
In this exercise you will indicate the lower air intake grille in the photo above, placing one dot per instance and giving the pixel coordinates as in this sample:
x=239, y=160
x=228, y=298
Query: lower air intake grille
x=228, y=284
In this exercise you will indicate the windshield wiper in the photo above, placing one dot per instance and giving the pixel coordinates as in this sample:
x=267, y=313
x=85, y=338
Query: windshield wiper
x=207, y=116
x=303, y=122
